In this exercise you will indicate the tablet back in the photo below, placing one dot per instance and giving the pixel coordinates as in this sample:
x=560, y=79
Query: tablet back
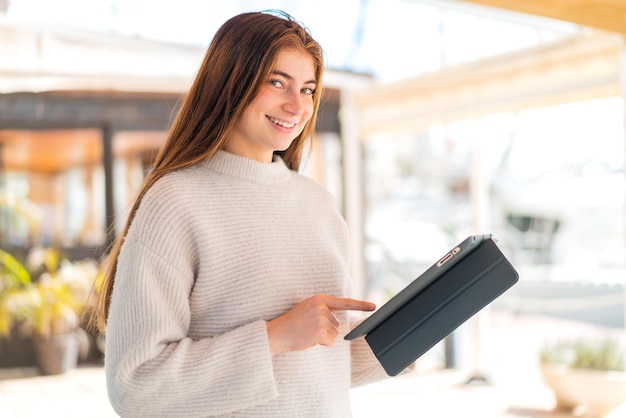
x=440, y=307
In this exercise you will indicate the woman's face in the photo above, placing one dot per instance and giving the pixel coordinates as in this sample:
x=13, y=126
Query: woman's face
x=278, y=114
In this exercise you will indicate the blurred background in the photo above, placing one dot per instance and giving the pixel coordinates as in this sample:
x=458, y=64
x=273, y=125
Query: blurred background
x=440, y=119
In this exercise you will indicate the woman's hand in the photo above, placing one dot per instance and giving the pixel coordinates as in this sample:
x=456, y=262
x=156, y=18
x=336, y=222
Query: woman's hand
x=310, y=322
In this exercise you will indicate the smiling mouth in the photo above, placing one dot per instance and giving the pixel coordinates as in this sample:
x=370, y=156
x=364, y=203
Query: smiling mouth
x=281, y=122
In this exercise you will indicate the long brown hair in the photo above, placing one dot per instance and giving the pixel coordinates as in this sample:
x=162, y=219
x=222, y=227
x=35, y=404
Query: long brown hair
x=238, y=61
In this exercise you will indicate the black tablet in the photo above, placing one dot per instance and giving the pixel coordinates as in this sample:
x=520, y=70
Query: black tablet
x=466, y=279
x=445, y=263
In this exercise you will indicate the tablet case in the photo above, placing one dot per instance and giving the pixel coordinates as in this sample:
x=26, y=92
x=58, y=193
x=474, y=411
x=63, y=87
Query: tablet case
x=460, y=284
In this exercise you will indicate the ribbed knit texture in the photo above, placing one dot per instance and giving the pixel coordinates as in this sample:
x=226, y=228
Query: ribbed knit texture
x=213, y=253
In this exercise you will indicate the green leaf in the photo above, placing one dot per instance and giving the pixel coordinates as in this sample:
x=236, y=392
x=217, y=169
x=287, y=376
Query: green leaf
x=14, y=270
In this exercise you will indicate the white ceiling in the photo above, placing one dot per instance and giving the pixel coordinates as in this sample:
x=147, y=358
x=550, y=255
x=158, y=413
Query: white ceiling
x=389, y=39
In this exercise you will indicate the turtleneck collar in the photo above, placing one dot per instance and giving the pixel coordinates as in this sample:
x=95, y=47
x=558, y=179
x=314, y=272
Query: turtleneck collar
x=247, y=169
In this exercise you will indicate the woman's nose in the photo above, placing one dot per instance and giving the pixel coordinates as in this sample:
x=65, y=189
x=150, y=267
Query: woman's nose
x=294, y=103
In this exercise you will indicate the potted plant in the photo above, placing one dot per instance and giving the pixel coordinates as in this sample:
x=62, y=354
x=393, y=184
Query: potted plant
x=41, y=298
x=46, y=300
x=586, y=375
x=57, y=300
x=15, y=280
x=22, y=221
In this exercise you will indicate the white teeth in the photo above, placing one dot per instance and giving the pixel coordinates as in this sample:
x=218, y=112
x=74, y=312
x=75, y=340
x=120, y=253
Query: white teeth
x=281, y=123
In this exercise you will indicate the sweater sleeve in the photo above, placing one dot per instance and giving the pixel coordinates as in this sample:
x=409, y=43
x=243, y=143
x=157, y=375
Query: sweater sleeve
x=154, y=369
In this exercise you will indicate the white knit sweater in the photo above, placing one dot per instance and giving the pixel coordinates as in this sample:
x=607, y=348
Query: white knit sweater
x=213, y=253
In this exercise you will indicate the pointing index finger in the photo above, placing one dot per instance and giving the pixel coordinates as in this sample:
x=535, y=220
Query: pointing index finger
x=348, y=304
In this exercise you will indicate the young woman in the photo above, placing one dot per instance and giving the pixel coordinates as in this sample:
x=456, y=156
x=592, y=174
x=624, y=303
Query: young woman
x=226, y=292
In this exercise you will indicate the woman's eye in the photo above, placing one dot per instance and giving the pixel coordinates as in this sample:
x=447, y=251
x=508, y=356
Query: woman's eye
x=276, y=83
x=308, y=91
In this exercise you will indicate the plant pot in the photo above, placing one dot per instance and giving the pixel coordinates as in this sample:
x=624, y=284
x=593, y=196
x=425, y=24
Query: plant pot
x=597, y=392
x=57, y=353
x=16, y=350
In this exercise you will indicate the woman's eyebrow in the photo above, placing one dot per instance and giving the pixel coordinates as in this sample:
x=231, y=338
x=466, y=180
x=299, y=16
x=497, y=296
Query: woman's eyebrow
x=289, y=77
